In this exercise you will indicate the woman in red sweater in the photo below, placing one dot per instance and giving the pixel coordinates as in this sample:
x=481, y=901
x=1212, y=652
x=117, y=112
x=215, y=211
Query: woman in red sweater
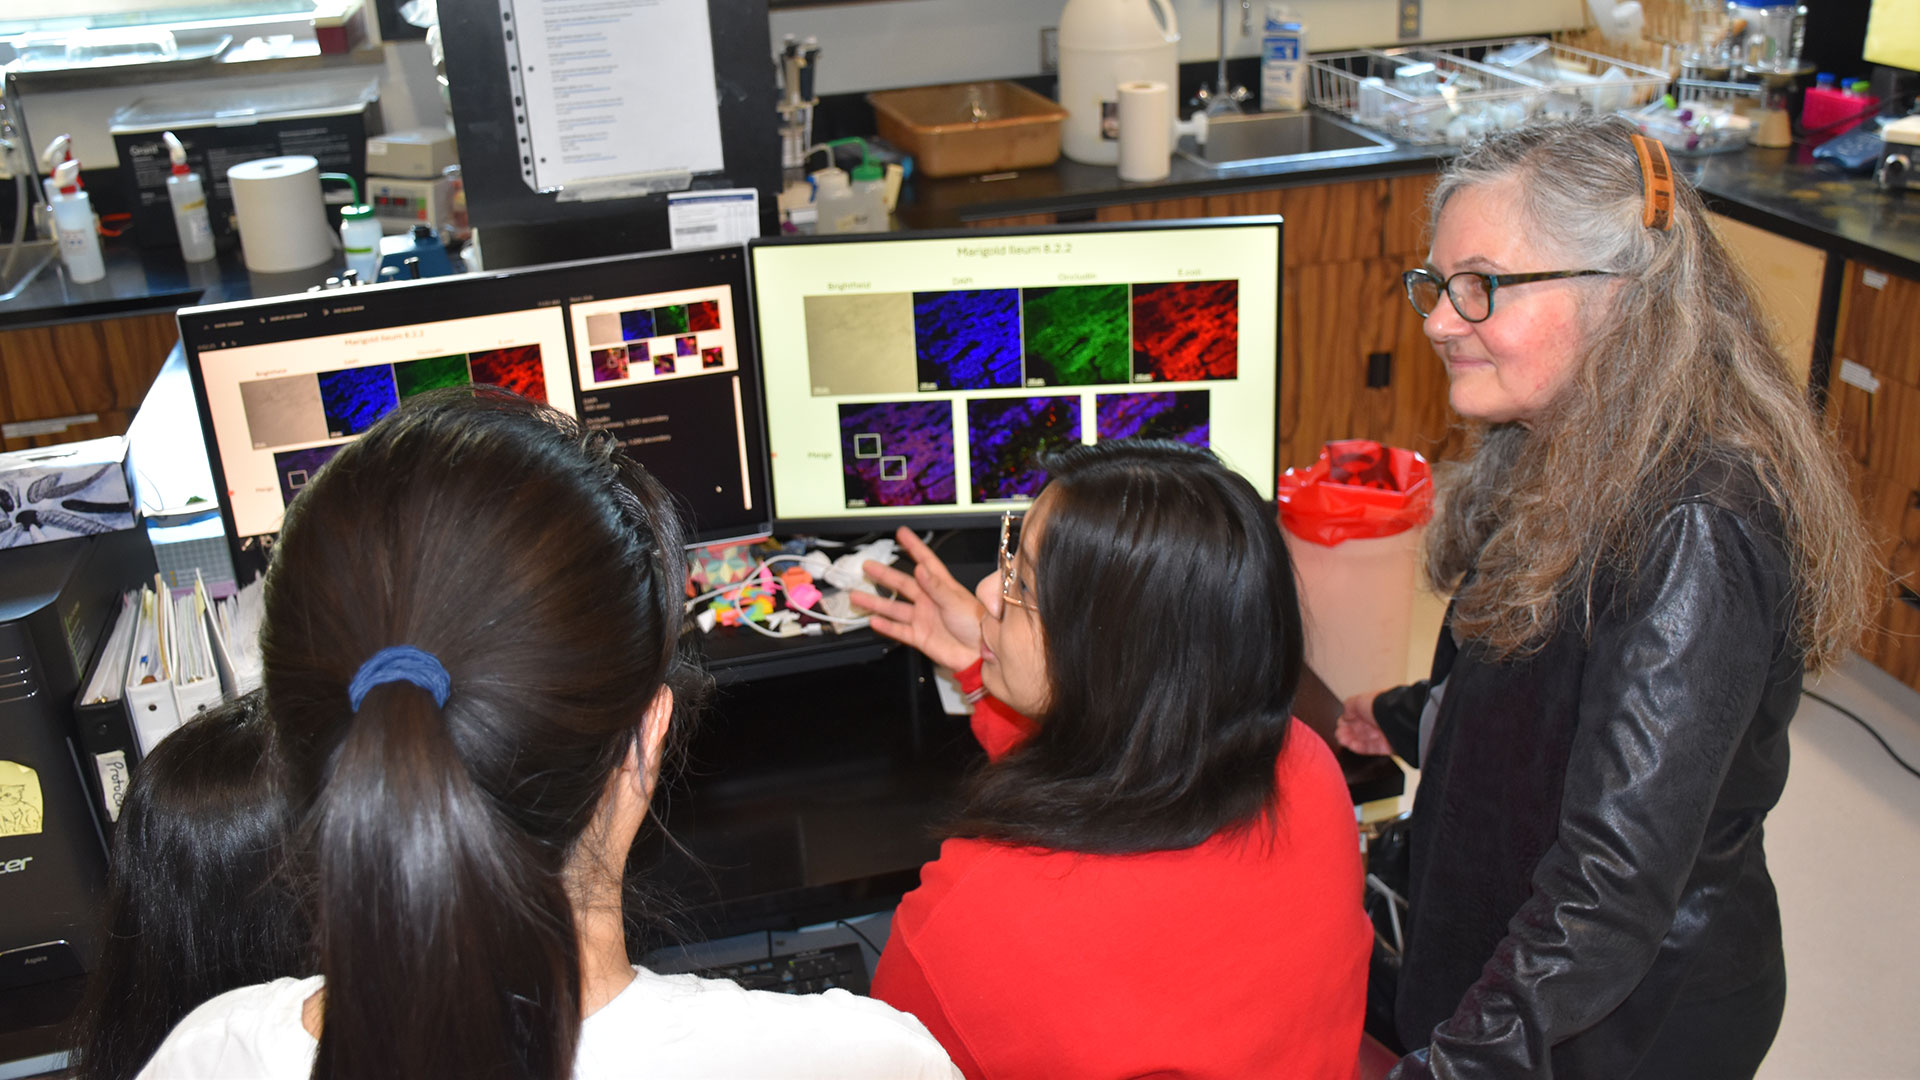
x=1157, y=871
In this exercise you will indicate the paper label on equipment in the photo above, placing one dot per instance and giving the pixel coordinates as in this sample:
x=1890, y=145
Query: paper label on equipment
x=1858, y=375
x=1873, y=279
x=22, y=807
x=114, y=778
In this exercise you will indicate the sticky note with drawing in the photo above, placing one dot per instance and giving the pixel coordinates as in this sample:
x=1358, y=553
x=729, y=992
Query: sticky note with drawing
x=22, y=809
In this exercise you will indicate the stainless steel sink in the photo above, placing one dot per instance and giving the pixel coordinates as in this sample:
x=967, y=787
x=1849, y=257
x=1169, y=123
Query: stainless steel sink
x=1238, y=142
x=18, y=268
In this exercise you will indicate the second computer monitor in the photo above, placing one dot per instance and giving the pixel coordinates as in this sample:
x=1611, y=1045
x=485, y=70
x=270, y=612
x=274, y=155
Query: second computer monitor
x=919, y=378
x=652, y=348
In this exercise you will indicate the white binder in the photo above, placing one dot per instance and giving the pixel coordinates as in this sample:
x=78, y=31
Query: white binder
x=149, y=682
x=196, y=678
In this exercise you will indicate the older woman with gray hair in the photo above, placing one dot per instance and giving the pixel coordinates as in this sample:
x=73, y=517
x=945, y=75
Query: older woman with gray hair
x=1650, y=544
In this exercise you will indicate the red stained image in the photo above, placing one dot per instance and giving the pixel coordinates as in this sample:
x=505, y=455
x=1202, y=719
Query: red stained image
x=1186, y=331
x=517, y=369
x=703, y=315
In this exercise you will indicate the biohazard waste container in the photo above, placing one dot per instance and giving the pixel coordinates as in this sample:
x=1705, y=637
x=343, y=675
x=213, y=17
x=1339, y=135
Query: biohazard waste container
x=1353, y=522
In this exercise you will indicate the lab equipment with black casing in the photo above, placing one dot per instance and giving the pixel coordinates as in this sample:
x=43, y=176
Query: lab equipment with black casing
x=56, y=602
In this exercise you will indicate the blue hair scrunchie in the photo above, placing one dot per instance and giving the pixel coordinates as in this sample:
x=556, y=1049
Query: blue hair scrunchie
x=401, y=663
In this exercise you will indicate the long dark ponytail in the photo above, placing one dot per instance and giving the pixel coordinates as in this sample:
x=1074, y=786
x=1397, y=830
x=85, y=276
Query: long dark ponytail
x=543, y=570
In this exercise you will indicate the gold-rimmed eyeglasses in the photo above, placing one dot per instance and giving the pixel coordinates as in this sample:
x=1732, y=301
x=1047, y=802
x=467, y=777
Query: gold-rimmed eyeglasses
x=1009, y=547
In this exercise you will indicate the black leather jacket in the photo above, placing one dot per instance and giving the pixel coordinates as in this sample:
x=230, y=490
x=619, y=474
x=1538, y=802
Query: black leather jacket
x=1587, y=831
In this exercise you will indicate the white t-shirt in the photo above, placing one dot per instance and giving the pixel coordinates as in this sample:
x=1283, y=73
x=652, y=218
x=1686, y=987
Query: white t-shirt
x=662, y=1027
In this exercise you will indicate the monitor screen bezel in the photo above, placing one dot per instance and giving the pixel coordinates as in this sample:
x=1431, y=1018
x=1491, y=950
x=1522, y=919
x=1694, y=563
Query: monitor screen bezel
x=556, y=285
x=789, y=525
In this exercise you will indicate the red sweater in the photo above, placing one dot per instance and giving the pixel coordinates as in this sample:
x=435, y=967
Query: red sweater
x=1242, y=957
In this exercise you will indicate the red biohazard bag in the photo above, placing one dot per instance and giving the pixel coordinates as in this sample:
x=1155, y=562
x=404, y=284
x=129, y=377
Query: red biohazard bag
x=1358, y=490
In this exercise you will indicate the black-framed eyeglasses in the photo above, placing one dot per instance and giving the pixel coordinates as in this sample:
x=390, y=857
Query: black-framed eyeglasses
x=1010, y=546
x=1472, y=291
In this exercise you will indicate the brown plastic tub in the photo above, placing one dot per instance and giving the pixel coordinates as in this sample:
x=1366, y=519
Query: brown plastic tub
x=965, y=128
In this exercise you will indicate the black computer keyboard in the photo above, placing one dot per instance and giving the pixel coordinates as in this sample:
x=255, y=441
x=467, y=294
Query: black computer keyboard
x=806, y=972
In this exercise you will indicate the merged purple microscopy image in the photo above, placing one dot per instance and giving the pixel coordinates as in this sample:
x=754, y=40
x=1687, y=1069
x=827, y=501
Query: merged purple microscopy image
x=1006, y=437
x=898, y=453
x=611, y=364
x=967, y=339
x=1180, y=415
x=296, y=468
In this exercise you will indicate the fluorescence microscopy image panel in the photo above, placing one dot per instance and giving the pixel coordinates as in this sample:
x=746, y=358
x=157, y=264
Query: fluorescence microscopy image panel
x=1077, y=335
x=1185, y=331
x=603, y=329
x=671, y=319
x=355, y=398
x=860, y=344
x=611, y=364
x=898, y=453
x=1180, y=415
x=1006, y=436
x=703, y=315
x=283, y=410
x=296, y=468
x=418, y=376
x=517, y=368
x=686, y=346
x=967, y=340
x=715, y=357
x=663, y=364
x=636, y=325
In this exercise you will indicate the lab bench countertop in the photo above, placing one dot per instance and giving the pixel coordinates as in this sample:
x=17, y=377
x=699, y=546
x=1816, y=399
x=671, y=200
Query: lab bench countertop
x=149, y=280
x=1769, y=189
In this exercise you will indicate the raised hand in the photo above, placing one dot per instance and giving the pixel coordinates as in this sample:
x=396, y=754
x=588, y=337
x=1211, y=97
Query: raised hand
x=933, y=613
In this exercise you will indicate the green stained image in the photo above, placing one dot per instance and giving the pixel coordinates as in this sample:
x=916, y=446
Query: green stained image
x=418, y=376
x=1077, y=335
x=671, y=319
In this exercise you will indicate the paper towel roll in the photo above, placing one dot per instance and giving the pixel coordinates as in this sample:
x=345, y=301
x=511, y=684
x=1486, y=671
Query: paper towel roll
x=1146, y=130
x=282, y=219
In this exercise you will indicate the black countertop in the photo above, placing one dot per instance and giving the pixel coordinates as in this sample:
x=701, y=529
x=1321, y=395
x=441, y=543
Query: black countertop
x=146, y=281
x=1765, y=188
x=1847, y=215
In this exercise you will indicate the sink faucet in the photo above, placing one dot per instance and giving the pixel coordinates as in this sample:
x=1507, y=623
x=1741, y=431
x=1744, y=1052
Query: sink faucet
x=1220, y=99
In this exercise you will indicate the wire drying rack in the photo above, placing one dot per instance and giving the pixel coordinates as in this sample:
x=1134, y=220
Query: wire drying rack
x=1449, y=93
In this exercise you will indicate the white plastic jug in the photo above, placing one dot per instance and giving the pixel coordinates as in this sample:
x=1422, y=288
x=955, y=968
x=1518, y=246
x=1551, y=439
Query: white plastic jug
x=1104, y=43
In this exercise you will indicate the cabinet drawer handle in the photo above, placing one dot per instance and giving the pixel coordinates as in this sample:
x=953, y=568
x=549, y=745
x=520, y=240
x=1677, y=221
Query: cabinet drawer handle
x=1380, y=374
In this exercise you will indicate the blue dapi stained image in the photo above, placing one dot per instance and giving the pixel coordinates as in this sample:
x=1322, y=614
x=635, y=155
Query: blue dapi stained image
x=636, y=325
x=967, y=339
x=353, y=399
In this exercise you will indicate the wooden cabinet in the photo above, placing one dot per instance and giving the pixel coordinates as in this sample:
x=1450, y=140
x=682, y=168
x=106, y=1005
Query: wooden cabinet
x=1874, y=405
x=1353, y=361
x=99, y=369
x=1786, y=276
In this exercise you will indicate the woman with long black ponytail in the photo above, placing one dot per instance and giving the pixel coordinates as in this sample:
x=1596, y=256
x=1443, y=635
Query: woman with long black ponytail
x=470, y=660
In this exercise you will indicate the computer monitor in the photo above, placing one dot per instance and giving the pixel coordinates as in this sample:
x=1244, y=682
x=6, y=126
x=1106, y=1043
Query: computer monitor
x=652, y=347
x=914, y=378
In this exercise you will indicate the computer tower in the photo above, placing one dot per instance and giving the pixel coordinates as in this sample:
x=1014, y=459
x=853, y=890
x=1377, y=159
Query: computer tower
x=56, y=600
